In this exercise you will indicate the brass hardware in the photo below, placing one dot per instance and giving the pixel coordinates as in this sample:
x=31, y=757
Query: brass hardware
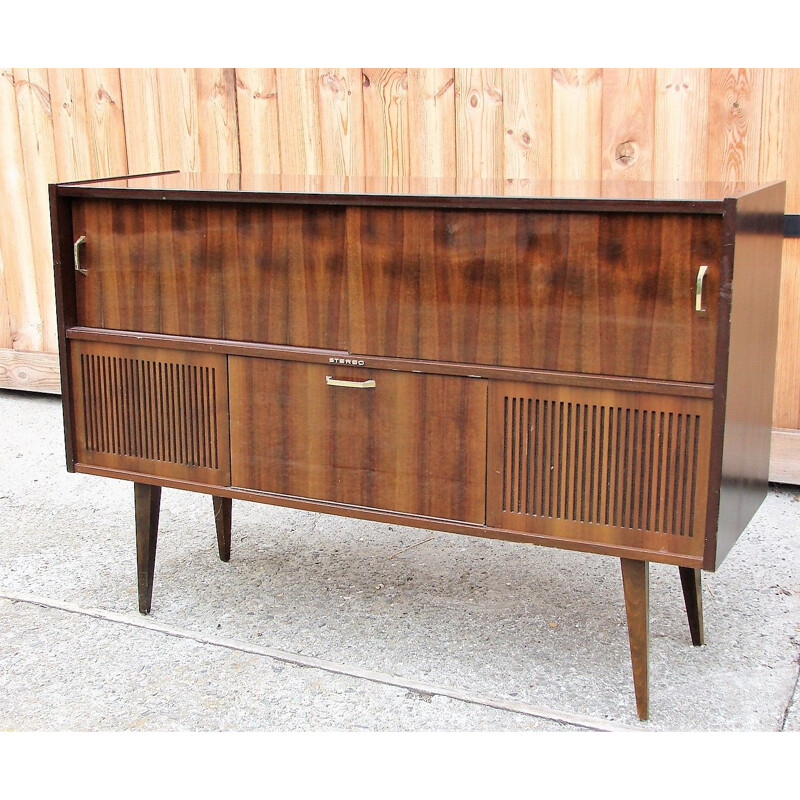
x=331, y=381
x=698, y=297
x=77, y=253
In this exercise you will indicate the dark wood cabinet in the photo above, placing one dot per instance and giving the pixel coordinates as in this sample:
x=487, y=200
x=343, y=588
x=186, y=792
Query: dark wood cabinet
x=587, y=367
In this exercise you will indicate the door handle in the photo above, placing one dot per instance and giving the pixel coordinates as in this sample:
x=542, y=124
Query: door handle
x=76, y=250
x=331, y=381
x=698, y=296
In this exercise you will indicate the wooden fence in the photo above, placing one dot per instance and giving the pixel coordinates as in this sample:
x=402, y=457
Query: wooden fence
x=590, y=124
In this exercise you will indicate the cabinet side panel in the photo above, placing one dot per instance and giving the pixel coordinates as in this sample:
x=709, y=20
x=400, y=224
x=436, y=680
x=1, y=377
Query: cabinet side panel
x=63, y=272
x=751, y=363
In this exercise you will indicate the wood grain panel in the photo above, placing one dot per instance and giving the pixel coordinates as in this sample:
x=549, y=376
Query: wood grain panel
x=628, y=124
x=16, y=246
x=479, y=123
x=218, y=125
x=341, y=121
x=431, y=123
x=413, y=443
x=577, y=124
x=779, y=158
x=5, y=314
x=180, y=126
x=614, y=467
x=298, y=112
x=104, y=117
x=603, y=294
x=386, y=145
x=142, y=115
x=39, y=160
x=70, y=125
x=681, y=124
x=152, y=267
x=734, y=125
x=527, y=123
x=786, y=413
x=35, y=372
x=285, y=278
x=151, y=412
x=257, y=111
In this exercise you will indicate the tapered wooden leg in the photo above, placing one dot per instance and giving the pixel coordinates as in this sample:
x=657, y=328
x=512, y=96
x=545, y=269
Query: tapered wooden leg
x=222, y=519
x=636, y=584
x=147, y=500
x=691, y=582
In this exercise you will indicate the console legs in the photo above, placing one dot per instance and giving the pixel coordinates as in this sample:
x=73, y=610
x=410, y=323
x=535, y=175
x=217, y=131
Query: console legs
x=147, y=501
x=635, y=582
x=222, y=519
x=692, y=595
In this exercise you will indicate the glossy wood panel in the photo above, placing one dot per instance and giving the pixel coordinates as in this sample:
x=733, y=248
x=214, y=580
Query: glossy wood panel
x=149, y=411
x=622, y=468
x=152, y=267
x=271, y=274
x=609, y=294
x=749, y=356
x=413, y=443
x=285, y=278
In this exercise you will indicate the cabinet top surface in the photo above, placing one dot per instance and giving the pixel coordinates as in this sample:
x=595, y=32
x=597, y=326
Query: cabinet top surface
x=426, y=191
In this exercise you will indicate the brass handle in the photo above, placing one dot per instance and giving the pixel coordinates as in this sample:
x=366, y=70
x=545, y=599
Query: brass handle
x=698, y=296
x=77, y=253
x=331, y=381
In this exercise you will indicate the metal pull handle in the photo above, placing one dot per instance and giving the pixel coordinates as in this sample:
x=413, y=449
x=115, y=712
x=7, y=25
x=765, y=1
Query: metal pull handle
x=76, y=250
x=331, y=381
x=698, y=296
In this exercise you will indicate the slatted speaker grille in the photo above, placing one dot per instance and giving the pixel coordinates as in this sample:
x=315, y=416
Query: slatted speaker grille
x=607, y=465
x=150, y=409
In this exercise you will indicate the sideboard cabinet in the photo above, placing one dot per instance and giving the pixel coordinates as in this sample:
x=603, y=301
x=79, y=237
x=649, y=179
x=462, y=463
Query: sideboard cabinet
x=586, y=367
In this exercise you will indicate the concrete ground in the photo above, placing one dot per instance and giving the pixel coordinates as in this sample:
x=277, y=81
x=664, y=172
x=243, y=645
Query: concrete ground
x=321, y=623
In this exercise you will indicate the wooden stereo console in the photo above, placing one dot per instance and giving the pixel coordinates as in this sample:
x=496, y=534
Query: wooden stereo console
x=585, y=367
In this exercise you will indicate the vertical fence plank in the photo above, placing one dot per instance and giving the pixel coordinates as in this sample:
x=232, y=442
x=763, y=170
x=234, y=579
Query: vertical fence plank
x=70, y=127
x=257, y=109
x=786, y=410
x=780, y=159
x=105, y=122
x=734, y=125
x=479, y=123
x=39, y=158
x=527, y=123
x=432, y=124
x=386, y=146
x=628, y=124
x=15, y=231
x=681, y=125
x=217, y=129
x=180, y=138
x=577, y=124
x=298, y=122
x=142, y=119
x=5, y=312
x=341, y=122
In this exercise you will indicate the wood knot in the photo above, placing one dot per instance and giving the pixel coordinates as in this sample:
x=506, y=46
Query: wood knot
x=333, y=83
x=625, y=153
x=473, y=99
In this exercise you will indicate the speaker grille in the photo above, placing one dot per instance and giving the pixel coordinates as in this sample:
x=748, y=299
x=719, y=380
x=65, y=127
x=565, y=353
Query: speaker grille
x=150, y=409
x=628, y=467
